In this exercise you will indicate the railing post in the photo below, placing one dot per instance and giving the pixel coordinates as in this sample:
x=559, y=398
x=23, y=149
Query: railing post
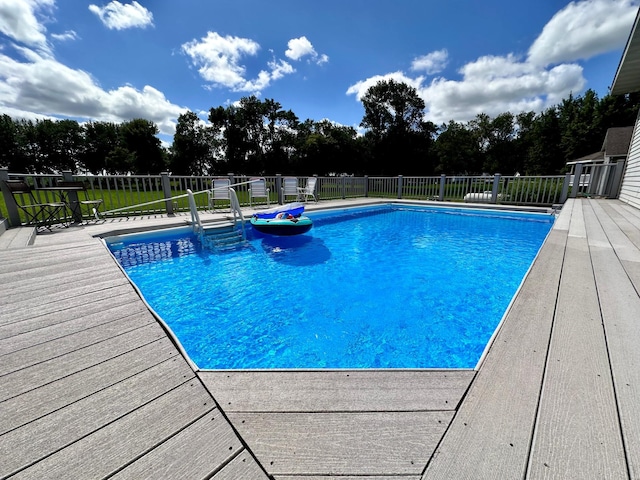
x=366, y=186
x=576, y=180
x=72, y=197
x=443, y=181
x=616, y=179
x=565, y=188
x=165, y=181
x=279, y=188
x=344, y=187
x=496, y=188
x=12, y=208
x=399, y=186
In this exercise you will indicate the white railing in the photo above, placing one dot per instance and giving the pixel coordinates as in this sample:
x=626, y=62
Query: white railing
x=135, y=195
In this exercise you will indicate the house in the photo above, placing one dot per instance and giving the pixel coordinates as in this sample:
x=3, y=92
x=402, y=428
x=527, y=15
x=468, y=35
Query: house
x=627, y=80
x=614, y=148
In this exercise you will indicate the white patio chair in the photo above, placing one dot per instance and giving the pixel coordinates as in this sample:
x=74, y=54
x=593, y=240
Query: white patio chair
x=258, y=189
x=289, y=188
x=309, y=190
x=219, y=191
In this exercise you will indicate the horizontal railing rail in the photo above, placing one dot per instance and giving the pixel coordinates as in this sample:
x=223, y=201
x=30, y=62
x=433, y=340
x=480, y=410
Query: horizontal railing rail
x=139, y=195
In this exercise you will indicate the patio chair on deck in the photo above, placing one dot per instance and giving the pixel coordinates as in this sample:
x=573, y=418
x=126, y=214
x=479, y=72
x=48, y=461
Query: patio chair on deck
x=89, y=208
x=41, y=214
x=289, y=188
x=309, y=190
x=219, y=191
x=258, y=189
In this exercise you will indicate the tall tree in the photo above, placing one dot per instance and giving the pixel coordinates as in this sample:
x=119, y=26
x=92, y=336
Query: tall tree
x=138, y=137
x=100, y=140
x=457, y=150
x=191, y=153
x=394, y=117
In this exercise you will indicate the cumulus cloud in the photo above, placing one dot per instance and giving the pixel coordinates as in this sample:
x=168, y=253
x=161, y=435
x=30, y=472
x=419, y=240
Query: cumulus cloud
x=431, y=63
x=219, y=62
x=548, y=73
x=119, y=16
x=48, y=87
x=19, y=21
x=583, y=30
x=359, y=89
x=302, y=47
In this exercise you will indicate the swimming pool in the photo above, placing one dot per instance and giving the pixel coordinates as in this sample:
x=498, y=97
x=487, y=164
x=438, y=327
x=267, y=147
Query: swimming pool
x=391, y=286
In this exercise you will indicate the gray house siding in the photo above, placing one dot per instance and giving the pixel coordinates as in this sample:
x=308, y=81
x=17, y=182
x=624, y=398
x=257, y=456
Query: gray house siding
x=630, y=189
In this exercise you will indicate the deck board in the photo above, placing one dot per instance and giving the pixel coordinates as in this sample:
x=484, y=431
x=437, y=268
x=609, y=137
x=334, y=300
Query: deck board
x=30, y=319
x=91, y=386
x=39, y=439
x=128, y=437
x=33, y=337
x=195, y=452
x=620, y=304
x=35, y=376
x=35, y=347
x=491, y=433
x=577, y=431
x=338, y=391
x=44, y=400
x=369, y=443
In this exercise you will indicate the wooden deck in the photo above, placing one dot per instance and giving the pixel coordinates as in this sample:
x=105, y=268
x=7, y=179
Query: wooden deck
x=91, y=386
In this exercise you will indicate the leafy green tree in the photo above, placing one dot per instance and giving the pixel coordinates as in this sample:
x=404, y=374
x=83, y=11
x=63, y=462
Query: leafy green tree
x=138, y=137
x=457, y=150
x=11, y=152
x=100, y=140
x=58, y=145
x=192, y=144
x=582, y=133
x=394, y=117
x=325, y=147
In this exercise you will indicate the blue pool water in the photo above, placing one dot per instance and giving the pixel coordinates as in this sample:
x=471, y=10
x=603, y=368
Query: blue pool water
x=383, y=287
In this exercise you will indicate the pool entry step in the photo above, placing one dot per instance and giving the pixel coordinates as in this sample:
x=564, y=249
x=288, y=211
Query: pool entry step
x=222, y=238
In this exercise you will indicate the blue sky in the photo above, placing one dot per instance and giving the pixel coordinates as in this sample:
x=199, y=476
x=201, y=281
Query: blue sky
x=118, y=60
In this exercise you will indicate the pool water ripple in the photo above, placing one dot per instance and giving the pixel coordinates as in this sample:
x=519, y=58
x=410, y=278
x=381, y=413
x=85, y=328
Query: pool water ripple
x=392, y=288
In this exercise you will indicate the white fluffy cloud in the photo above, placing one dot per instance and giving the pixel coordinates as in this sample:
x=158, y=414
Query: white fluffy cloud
x=119, y=16
x=583, y=30
x=431, y=63
x=50, y=88
x=496, y=84
x=19, y=21
x=302, y=47
x=219, y=62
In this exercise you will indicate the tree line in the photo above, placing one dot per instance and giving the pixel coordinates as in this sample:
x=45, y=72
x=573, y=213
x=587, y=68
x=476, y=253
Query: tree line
x=259, y=137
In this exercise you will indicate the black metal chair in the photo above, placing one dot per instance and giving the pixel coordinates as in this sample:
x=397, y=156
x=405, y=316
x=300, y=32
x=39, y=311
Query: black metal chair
x=89, y=207
x=41, y=214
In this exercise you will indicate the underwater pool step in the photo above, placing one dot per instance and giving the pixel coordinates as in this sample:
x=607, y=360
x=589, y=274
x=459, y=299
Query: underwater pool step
x=222, y=238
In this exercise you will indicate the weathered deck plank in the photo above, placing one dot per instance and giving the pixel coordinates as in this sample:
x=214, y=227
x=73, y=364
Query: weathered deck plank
x=128, y=437
x=89, y=326
x=245, y=467
x=44, y=400
x=29, y=319
x=369, y=443
x=53, y=367
x=45, y=349
x=195, y=452
x=620, y=304
x=338, y=391
x=37, y=440
x=577, y=432
x=491, y=433
x=26, y=379
x=69, y=293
